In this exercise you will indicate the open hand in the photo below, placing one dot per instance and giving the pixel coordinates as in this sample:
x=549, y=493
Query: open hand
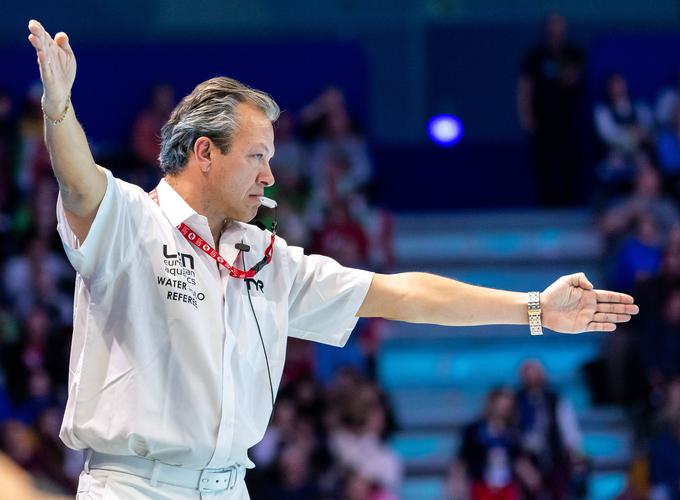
x=571, y=305
x=57, y=67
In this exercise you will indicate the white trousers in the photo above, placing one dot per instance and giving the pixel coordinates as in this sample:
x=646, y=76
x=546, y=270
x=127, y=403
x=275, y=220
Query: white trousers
x=101, y=484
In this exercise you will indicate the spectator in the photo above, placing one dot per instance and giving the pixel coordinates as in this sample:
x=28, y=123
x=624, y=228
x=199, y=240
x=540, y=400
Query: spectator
x=550, y=100
x=45, y=272
x=33, y=159
x=549, y=430
x=358, y=443
x=358, y=487
x=490, y=456
x=668, y=147
x=342, y=237
x=290, y=162
x=647, y=198
x=146, y=129
x=667, y=103
x=336, y=136
x=279, y=432
x=147, y=125
x=623, y=126
x=293, y=479
x=656, y=330
x=639, y=256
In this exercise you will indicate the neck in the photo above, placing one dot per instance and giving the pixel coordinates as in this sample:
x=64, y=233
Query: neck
x=195, y=193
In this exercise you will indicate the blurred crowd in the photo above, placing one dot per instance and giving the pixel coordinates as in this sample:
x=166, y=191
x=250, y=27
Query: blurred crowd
x=526, y=443
x=636, y=203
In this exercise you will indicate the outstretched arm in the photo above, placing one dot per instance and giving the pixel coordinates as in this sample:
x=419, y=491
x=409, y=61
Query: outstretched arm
x=81, y=184
x=569, y=305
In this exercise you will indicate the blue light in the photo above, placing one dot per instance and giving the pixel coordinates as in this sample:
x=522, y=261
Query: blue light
x=445, y=130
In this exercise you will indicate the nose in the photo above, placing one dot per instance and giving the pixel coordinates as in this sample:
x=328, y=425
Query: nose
x=267, y=177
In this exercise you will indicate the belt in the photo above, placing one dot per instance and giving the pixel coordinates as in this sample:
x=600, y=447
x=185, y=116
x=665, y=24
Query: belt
x=203, y=480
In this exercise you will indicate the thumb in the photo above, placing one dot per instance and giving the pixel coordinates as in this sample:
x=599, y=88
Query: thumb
x=580, y=280
x=62, y=40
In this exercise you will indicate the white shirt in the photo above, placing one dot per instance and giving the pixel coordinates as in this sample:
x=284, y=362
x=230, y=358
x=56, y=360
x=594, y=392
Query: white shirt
x=166, y=359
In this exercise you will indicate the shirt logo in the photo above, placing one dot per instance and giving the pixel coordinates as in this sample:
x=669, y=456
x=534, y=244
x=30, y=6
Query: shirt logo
x=184, y=257
x=257, y=284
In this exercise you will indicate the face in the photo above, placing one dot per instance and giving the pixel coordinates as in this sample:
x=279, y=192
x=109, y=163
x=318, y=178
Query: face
x=238, y=178
x=556, y=28
x=533, y=375
x=618, y=88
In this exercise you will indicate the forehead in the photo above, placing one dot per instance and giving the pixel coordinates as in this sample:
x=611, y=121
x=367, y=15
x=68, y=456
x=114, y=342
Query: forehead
x=253, y=124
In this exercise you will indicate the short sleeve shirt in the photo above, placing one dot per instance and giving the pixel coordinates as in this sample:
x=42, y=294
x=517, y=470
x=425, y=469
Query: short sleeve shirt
x=166, y=358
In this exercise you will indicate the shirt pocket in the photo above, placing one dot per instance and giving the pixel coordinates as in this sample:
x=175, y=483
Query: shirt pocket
x=263, y=329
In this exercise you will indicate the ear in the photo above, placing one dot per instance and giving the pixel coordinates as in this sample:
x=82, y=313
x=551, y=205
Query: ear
x=201, y=150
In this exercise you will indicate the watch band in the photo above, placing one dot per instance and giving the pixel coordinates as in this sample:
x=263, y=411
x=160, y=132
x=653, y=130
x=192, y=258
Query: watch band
x=534, y=309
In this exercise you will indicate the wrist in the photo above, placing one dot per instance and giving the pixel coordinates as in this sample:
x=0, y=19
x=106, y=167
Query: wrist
x=55, y=112
x=535, y=313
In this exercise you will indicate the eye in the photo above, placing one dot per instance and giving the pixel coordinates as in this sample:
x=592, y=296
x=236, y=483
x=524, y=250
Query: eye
x=259, y=156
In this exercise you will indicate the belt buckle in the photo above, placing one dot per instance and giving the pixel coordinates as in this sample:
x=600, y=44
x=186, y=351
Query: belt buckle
x=217, y=479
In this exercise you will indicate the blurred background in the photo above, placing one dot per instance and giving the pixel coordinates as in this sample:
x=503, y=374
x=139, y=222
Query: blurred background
x=502, y=143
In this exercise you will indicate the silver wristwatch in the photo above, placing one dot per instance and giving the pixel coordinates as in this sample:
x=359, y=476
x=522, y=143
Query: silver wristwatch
x=534, y=308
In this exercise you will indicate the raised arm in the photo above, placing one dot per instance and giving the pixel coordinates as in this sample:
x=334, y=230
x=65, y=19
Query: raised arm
x=569, y=305
x=81, y=183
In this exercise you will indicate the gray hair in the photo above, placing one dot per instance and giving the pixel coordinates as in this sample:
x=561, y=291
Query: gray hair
x=209, y=111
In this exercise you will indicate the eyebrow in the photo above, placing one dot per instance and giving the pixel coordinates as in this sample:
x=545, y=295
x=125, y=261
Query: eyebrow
x=266, y=148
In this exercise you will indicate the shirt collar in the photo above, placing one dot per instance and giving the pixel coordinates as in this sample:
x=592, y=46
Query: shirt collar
x=173, y=205
x=178, y=211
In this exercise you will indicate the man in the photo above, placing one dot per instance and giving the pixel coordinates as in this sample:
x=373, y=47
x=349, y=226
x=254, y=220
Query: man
x=550, y=100
x=175, y=358
x=549, y=430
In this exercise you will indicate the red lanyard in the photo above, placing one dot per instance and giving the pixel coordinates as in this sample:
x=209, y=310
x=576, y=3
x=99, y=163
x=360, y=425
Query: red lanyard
x=200, y=243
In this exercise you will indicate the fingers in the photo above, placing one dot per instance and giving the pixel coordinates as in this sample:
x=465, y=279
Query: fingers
x=605, y=307
x=35, y=27
x=611, y=318
x=600, y=327
x=35, y=41
x=615, y=297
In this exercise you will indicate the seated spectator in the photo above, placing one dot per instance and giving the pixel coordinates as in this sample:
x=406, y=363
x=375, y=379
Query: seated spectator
x=667, y=103
x=335, y=133
x=289, y=162
x=639, y=256
x=281, y=430
x=358, y=442
x=292, y=478
x=146, y=132
x=668, y=146
x=623, y=126
x=33, y=161
x=647, y=198
x=490, y=457
x=342, y=238
x=549, y=430
x=37, y=279
x=358, y=487
x=147, y=125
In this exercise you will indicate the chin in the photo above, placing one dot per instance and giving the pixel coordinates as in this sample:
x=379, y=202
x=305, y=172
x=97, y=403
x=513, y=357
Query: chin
x=246, y=217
